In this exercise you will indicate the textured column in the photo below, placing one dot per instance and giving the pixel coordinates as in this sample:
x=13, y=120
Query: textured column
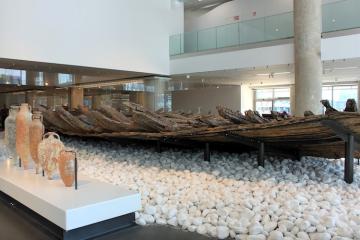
x=97, y=101
x=308, y=67
x=154, y=100
x=358, y=98
x=30, y=78
x=30, y=98
x=292, y=100
x=76, y=97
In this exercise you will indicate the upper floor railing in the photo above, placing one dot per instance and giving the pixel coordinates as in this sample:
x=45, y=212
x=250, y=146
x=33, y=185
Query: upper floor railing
x=336, y=16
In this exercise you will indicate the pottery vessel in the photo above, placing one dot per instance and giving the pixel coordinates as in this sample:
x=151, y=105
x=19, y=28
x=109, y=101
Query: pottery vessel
x=10, y=133
x=49, y=152
x=67, y=167
x=37, y=131
x=23, y=121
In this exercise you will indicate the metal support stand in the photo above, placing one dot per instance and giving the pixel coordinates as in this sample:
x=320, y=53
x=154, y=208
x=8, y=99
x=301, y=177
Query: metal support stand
x=349, y=159
x=20, y=162
x=298, y=155
x=158, y=146
x=207, y=152
x=76, y=173
x=261, y=154
x=43, y=173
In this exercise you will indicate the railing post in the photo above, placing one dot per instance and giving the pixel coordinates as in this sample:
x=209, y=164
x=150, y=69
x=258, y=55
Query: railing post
x=261, y=154
x=349, y=159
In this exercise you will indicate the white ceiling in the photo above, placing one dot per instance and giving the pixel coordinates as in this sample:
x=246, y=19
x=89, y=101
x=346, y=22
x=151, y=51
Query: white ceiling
x=203, y=4
x=347, y=70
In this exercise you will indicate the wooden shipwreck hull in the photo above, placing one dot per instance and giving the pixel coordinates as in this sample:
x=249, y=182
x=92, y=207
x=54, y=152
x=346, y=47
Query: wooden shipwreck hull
x=317, y=135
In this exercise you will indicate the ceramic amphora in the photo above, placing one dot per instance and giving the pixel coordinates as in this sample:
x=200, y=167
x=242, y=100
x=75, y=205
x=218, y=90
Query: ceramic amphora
x=23, y=121
x=10, y=133
x=49, y=152
x=67, y=167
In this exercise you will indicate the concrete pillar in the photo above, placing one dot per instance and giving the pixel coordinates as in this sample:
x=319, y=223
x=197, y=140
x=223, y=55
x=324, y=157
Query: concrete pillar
x=50, y=101
x=76, y=97
x=155, y=100
x=308, y=67
x=30, y=78
x=358, y=97
x=96, y=101
x=292, y=100
x=30, y=98
x=247, y=98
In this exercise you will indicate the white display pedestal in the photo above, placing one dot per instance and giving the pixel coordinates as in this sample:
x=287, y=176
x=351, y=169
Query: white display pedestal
x=74, y=211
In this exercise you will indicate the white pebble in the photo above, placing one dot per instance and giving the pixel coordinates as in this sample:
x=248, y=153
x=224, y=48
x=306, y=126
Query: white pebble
x=222, y=232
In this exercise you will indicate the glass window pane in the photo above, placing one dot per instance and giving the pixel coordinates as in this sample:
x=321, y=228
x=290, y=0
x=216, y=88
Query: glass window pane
x=327, y=93
x=264, y=94
x=64, y=78
x=263, y=106
x=282, y=93
x=282, y=105
x=342, y=94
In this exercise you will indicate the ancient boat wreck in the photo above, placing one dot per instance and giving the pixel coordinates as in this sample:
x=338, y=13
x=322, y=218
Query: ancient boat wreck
x=313, y=135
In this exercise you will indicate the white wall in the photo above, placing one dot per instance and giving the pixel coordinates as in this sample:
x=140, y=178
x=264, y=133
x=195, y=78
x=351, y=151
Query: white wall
x=204, y=100
x=256, y=57
x=177, y=13
x=224, y=14
x=117, y=34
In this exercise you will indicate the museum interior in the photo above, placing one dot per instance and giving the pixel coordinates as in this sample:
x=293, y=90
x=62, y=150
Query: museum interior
x=180, y=119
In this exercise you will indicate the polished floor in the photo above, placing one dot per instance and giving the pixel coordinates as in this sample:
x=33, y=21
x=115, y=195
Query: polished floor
x=14, y=227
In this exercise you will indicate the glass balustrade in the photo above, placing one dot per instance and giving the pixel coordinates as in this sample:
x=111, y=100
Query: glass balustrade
x=340, y=15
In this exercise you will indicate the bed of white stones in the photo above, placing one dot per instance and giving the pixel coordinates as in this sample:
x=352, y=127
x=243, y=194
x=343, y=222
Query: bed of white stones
x=231, y=196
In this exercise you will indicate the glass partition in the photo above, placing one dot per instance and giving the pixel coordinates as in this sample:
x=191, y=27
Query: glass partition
x=252, y=31
x=228, y=35
x=190, y=42
x=207, y=39
x=279, y=26
x=176, y=44
x=339, y=15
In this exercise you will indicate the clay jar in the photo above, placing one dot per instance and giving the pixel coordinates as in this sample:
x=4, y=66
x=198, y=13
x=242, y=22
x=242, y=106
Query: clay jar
x=10, y=132
x=67, y=167
x=49, y=152
x=37, y=131
x=23, y=121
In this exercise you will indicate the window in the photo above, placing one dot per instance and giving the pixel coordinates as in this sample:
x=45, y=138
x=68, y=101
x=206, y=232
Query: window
x=12, y=76
x=272, y=99
x=64, y=78
x=338, y=95
x=39, y=79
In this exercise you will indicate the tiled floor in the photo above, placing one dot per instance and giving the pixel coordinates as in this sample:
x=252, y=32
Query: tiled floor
x=14, y=227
